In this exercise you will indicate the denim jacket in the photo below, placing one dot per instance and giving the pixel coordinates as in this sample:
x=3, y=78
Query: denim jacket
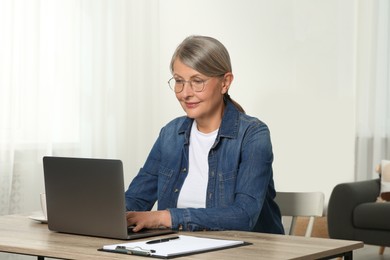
x=240, y=189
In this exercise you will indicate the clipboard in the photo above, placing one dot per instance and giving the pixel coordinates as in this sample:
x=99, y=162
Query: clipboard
x=172, y=247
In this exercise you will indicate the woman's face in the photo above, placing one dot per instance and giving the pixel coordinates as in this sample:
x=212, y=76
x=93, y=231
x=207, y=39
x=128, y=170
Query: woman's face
x=206, y=107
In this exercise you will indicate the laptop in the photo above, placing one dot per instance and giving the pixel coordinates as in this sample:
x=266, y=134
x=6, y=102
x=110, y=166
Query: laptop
x=86, y=196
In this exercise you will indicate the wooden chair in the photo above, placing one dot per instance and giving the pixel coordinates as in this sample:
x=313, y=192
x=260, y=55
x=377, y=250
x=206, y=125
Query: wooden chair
x=301, y=204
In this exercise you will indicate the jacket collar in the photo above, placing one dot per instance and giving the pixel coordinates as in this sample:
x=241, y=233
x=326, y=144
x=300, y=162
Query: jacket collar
x=229, y=125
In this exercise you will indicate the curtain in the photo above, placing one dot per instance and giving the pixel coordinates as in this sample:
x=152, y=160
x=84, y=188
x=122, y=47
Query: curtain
x=74, y=76
x=373, y=87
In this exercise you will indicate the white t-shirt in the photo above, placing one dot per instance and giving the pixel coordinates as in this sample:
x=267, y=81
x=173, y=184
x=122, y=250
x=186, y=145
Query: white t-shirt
x=193, y=192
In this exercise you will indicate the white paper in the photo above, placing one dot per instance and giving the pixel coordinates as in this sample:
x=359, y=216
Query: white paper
x=183, y=245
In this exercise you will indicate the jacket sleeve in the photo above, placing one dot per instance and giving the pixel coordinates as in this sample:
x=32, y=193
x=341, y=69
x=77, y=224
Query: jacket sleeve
x=141, y=194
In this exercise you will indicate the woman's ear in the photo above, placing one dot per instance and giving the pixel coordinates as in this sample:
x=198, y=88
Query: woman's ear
x=226, y=82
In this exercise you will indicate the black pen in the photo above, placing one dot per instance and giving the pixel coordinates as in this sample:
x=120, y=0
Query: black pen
x=162, y=240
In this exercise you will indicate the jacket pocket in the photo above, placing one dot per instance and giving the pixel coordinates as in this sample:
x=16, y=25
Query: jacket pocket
x=164, y=179
x=226, y=187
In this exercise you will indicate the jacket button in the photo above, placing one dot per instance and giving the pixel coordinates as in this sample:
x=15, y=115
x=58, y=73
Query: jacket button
x=184, y=170
x=176, y=190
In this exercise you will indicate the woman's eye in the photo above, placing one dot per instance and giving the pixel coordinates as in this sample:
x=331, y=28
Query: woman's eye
x=197, y=81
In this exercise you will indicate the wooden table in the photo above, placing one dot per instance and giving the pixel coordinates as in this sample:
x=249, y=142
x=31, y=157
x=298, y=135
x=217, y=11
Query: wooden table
x=21, y=235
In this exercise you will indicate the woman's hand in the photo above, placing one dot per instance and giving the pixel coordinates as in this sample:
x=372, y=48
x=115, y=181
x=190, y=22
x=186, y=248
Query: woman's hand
x=148, y=219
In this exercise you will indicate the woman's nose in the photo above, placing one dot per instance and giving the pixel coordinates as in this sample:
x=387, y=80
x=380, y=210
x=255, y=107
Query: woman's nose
x=187, y=89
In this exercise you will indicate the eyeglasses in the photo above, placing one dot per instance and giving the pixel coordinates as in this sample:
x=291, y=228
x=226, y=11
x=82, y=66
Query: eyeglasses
x=177, y=85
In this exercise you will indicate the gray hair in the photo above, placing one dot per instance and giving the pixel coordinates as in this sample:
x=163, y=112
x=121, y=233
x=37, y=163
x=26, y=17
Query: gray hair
x=206, y=55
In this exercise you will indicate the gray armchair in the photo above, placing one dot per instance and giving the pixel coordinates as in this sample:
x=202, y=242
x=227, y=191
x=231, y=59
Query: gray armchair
x=354, y=214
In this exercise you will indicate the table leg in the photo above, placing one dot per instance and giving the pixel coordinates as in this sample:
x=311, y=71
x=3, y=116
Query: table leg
x=348, y=255
x=41, y=257
x=343, y=256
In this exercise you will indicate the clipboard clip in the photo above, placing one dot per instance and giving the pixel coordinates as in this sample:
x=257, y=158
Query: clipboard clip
x=134, y=250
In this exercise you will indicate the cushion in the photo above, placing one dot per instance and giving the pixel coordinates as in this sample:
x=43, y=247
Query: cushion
x=385, y=180
x=372, y=215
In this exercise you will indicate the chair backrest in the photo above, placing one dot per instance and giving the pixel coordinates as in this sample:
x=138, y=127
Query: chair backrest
x=301, y=204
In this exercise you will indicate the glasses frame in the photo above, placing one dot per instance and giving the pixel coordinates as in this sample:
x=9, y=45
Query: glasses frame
x=173, y=88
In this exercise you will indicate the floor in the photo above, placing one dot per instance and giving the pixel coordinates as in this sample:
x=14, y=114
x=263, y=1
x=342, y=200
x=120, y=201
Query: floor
x=371, y=253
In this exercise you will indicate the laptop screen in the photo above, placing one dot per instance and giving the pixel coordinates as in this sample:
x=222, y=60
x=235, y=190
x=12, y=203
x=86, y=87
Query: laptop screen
x=85, y=196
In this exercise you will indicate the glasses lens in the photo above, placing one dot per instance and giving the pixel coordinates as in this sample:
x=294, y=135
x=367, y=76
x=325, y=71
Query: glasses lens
x=172, y=84
x=176, y=86
x=197, y=85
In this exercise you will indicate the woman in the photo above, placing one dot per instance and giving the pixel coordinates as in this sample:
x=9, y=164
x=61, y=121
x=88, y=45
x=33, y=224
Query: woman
x=211, y=169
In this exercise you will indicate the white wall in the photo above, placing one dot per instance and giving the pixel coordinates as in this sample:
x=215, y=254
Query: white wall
x=293, y=63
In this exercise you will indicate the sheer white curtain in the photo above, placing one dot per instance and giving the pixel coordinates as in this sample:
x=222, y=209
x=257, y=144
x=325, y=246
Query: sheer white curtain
x=373, y=87
x=74, y=76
